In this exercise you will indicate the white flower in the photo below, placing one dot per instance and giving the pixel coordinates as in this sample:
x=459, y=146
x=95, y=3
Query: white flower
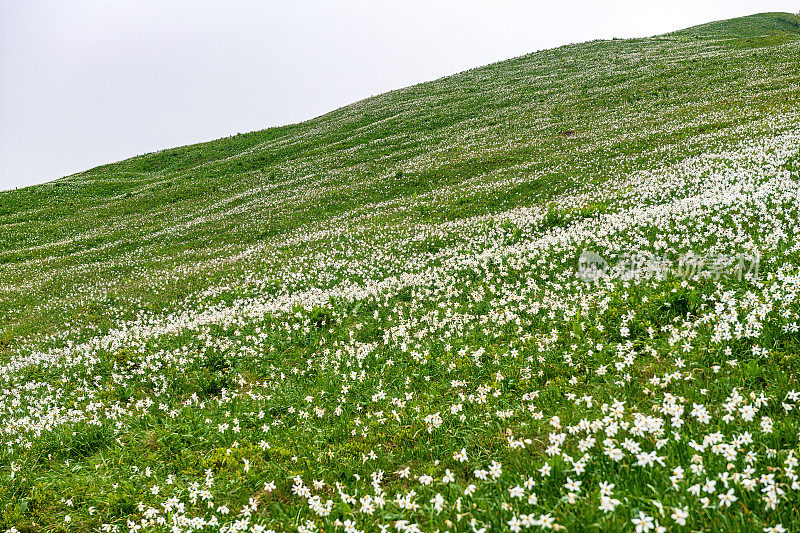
x=608, y=504
x=516, y=492
x=643, y=523
x=680, y=516
x=495, y=470
x=727, y=499
x=574, y=486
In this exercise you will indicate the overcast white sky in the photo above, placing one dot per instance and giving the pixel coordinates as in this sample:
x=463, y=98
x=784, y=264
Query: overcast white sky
x=84, y=83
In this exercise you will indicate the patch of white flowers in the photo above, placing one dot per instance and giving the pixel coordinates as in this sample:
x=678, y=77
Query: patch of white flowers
x=491, y=337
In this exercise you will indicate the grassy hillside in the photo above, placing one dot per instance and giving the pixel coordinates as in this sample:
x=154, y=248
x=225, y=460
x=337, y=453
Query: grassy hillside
x=761, y=25
x=382, y=316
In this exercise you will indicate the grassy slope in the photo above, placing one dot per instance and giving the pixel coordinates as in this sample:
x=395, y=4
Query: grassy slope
x=406, y=183
x=106, y=216
x=759, y=25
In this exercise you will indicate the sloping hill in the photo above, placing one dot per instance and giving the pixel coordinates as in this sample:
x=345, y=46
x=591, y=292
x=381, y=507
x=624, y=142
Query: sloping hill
x=752, y=26
x=382, y=316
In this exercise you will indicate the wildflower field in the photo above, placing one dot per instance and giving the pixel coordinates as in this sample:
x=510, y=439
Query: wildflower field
x=559, y=292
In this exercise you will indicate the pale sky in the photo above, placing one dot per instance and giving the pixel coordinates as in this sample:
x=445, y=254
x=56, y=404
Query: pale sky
x=83, y=83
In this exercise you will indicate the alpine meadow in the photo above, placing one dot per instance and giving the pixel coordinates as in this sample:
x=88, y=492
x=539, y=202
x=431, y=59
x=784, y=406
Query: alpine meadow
x=559, y=292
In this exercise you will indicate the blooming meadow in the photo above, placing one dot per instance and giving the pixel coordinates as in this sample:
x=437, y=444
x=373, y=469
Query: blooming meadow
x=379, y=320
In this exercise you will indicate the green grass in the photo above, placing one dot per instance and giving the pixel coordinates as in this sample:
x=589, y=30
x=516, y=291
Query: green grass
x=384, y=286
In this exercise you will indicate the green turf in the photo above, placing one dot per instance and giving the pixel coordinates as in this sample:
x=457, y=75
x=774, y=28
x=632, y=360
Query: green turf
x=384, y=286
